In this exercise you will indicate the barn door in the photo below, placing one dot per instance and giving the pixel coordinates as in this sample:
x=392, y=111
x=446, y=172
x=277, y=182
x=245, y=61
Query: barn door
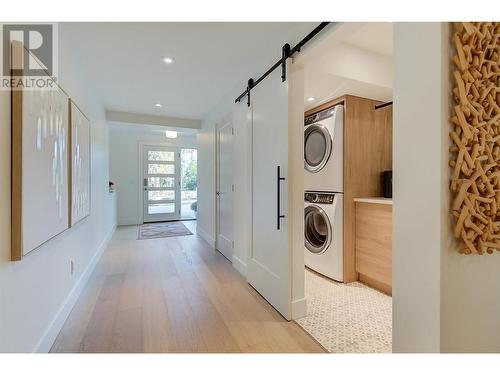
x=269, y=269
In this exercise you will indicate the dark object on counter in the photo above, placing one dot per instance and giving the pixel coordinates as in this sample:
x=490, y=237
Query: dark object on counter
x=387, y=184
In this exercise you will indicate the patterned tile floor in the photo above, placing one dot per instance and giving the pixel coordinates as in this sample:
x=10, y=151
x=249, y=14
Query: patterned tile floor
x=347, y=318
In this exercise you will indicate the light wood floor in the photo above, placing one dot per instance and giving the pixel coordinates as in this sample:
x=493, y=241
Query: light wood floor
x=173, y=295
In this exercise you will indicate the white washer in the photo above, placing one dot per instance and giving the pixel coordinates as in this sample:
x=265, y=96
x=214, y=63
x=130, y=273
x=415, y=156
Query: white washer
x=323, y=230
x=324, y=150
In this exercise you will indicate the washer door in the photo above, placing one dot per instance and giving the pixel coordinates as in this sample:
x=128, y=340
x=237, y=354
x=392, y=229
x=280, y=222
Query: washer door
x=317, y=228
x=317, y=147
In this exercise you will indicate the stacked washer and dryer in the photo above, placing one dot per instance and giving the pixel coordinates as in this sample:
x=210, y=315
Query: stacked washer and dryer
x=324, y=188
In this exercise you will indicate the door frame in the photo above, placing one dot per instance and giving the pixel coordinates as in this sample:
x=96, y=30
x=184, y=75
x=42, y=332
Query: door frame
x=140, y=173
x=223, y=121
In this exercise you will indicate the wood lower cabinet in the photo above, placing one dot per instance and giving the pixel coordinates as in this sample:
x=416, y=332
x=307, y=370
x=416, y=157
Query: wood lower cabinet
x=373, y=243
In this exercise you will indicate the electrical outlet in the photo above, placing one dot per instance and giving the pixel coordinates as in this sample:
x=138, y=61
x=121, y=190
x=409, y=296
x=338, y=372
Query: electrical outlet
x=71, y=267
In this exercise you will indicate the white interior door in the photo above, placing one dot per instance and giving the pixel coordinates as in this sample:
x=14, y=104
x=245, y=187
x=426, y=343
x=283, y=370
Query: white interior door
x=161, y=183
x=269, y=270
x=224, y=192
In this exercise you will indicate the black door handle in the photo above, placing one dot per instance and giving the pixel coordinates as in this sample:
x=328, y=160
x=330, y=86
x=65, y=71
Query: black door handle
x=278, y=208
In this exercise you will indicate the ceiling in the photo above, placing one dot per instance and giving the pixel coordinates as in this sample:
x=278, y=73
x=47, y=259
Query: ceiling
x=124, y=61
x=374, y=37
x=354, y=59
x=151, y=129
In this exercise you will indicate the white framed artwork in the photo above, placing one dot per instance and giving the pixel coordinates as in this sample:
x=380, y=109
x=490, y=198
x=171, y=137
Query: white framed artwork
x=80, y=164
x=40, y=198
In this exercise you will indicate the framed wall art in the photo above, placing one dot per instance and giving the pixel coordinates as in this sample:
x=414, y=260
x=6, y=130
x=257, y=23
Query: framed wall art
x=40, y=200
x=80, y=164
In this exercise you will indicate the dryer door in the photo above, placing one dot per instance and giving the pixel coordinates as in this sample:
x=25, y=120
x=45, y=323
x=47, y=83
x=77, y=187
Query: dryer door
x=317, y=228
x=317, y=147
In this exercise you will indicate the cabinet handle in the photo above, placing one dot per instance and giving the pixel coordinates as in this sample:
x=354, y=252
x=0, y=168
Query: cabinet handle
x=278, y=208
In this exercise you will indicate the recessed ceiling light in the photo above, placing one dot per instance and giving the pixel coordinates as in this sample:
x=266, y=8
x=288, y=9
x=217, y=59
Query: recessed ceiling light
x=158, y=105
x=167, y=60
x=310, y=99
x=170, y=134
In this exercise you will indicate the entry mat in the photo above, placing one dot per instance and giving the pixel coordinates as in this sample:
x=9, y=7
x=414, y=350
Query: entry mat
x=347, y=318
x=162, y=230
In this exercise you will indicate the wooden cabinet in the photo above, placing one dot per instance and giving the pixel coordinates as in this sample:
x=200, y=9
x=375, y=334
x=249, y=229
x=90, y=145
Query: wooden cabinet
x=373, y=244
x=367, y=153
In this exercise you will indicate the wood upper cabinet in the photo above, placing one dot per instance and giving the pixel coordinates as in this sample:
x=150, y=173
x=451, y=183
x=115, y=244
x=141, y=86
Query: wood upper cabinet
x=373, y=243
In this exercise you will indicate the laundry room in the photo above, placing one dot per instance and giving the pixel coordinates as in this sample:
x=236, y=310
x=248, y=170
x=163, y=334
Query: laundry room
x=347, y=179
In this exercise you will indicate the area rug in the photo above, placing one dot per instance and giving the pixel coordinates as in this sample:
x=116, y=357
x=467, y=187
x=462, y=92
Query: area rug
x=162, y=230
x=347, y=318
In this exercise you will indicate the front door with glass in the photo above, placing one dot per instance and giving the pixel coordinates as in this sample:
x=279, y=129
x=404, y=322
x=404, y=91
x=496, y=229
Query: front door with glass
x=161, y=184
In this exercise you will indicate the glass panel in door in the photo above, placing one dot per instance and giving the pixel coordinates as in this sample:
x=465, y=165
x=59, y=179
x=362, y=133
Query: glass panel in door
x=161, y=184
x=189, y=183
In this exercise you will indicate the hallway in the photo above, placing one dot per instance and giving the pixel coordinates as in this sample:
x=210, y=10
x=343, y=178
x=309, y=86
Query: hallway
x=173, y=295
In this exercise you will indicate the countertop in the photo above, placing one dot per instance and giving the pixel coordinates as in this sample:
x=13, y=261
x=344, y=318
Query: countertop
x=378, y=200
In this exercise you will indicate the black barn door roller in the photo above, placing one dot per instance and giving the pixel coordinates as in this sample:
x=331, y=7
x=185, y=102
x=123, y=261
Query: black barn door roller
x=286, y=52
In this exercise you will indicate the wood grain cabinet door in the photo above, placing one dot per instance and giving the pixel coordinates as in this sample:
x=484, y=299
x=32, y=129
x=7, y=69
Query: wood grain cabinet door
x=374, y=245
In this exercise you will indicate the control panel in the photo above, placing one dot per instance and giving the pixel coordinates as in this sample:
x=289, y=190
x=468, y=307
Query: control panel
x=311, y=119
x=322, y=198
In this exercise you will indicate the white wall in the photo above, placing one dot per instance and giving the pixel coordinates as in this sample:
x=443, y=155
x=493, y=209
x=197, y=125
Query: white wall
x=442, y=301
x=296, y=188
x=37, y=293
x=242, y=174
x=206, y=177
x=357, y=64
x=242, y=167
x=470, y=285
x=124, y=166
x=417, y=142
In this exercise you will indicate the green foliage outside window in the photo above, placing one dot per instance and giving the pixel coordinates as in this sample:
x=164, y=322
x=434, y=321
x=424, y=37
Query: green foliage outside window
x=189, y=169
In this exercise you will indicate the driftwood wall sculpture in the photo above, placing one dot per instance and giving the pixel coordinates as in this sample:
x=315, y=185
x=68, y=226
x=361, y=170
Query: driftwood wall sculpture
x=475, y=181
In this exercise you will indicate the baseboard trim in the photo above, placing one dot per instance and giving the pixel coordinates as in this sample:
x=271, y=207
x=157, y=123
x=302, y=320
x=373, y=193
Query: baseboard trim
x=299, y=308
x=205, y=236
x=47, y=340
x=128, y=222
x=240, y=266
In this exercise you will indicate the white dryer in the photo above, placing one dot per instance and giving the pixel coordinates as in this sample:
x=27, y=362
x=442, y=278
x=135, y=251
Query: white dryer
x=323, y=229
x=324, y=150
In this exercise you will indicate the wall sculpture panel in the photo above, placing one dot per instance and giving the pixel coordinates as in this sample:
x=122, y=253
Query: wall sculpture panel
x=475, y=135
